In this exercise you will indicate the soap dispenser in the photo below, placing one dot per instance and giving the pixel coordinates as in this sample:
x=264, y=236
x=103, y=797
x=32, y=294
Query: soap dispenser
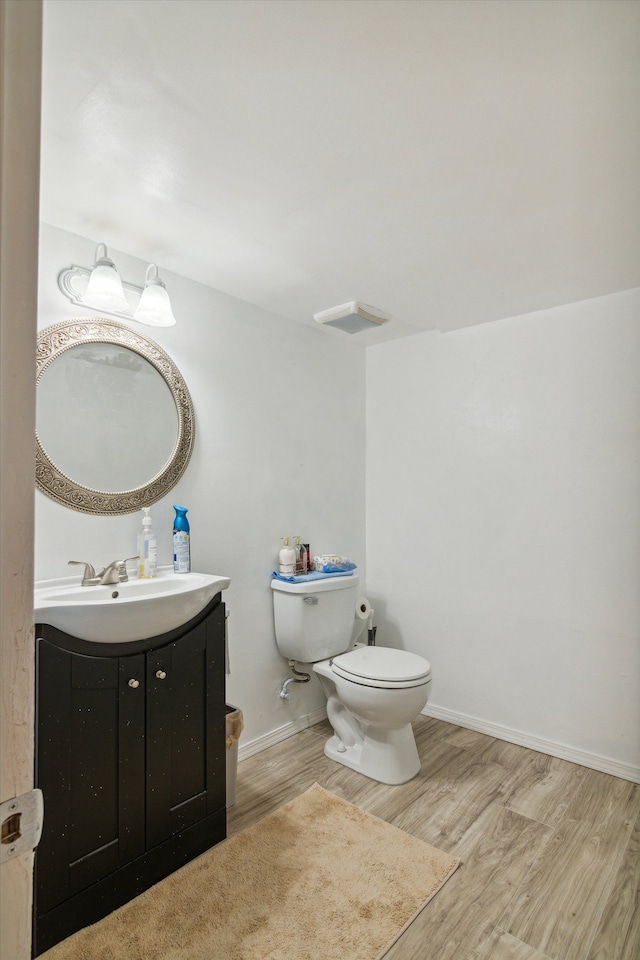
x=147, y=548
x=287, y=558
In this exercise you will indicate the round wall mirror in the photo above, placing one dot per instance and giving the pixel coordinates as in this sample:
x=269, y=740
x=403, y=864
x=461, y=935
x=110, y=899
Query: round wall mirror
x=114, y=419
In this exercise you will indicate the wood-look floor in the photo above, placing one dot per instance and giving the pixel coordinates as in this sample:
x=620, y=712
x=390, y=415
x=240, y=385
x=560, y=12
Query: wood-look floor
x=550, y=850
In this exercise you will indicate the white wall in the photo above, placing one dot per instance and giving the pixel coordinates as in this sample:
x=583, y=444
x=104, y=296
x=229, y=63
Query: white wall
x=503, y=507
x=503, y=501
x=279, y=451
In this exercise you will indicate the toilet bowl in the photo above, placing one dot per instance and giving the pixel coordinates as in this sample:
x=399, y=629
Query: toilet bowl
x=373, y=694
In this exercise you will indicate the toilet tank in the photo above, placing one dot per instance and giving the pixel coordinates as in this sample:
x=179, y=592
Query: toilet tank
x=314, y=619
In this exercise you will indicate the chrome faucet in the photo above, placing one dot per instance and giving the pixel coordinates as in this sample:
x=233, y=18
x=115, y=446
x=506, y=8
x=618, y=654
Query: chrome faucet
x=114, y=572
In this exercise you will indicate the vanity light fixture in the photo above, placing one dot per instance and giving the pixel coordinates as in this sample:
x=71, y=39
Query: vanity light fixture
x=104, y=290
x=154, y=307
x=101, y=288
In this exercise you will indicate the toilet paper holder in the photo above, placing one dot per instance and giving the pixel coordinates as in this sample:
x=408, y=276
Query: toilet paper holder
x=364, y=611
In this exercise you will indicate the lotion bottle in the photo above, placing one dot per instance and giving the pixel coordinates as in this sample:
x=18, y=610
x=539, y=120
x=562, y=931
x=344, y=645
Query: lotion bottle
x=147, y=548
x=287, y=558
x=181, y=541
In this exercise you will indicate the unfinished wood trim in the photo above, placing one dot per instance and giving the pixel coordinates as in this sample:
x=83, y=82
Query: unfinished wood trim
x=20, y=73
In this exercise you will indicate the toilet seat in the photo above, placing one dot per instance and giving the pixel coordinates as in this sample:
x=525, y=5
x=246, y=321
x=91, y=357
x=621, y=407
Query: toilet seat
x=382, y=667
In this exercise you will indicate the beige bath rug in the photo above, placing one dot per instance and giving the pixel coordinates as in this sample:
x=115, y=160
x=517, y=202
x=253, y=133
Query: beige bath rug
x=318, y=879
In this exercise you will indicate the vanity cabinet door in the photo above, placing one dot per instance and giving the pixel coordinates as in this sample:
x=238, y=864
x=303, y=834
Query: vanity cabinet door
x=90, y=766
x=186, y=730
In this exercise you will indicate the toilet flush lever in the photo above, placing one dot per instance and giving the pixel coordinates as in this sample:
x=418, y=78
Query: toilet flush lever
x=311, y=600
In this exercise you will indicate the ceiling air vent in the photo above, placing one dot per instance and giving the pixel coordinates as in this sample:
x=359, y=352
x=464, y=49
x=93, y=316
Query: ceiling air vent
x=352, y=317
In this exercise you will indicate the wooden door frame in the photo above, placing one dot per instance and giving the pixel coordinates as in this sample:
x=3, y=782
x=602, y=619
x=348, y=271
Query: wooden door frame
x=20, y=77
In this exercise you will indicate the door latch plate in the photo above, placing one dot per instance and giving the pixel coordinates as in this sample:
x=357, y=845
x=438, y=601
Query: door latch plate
x=20, y=824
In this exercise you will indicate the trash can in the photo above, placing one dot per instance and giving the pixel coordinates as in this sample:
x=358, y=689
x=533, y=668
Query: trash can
x=234, y=725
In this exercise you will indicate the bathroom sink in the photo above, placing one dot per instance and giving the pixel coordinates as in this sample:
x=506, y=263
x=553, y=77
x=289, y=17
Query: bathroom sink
x=124, y=612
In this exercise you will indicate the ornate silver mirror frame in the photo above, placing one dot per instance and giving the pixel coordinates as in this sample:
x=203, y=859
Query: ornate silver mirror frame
x=53, y=342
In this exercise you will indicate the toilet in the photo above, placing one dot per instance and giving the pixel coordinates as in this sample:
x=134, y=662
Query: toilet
x=373, y=692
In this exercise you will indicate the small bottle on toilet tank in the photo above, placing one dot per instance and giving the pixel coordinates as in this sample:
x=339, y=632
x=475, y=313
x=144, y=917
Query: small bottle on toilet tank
x=299, y=564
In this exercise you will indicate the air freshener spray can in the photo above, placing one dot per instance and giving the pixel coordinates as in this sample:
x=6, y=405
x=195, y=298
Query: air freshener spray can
x=181, y=541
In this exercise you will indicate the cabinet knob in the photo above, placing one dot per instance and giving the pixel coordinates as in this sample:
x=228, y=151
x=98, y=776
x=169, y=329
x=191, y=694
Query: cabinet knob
x=134, y=683
x=161, y=675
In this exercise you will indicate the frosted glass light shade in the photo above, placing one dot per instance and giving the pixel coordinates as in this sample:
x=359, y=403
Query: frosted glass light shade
x=104, y=290
x=154, y=308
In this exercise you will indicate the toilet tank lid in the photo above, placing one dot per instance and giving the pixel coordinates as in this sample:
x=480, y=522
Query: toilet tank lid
x=383, y=663
x=315, y=586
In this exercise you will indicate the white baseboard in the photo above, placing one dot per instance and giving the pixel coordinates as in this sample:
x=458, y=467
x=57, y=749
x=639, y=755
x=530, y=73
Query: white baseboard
x=582, y=757
x=550, y=747
x=280, y=733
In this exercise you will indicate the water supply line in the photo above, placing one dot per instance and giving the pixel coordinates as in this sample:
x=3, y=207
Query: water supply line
x=299, y=678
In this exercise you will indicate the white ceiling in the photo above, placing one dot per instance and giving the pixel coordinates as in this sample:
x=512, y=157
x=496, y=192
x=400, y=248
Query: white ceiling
x=451, y=163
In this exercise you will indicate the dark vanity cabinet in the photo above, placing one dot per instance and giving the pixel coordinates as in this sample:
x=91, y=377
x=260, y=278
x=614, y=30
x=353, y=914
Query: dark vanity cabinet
x=130, y=756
